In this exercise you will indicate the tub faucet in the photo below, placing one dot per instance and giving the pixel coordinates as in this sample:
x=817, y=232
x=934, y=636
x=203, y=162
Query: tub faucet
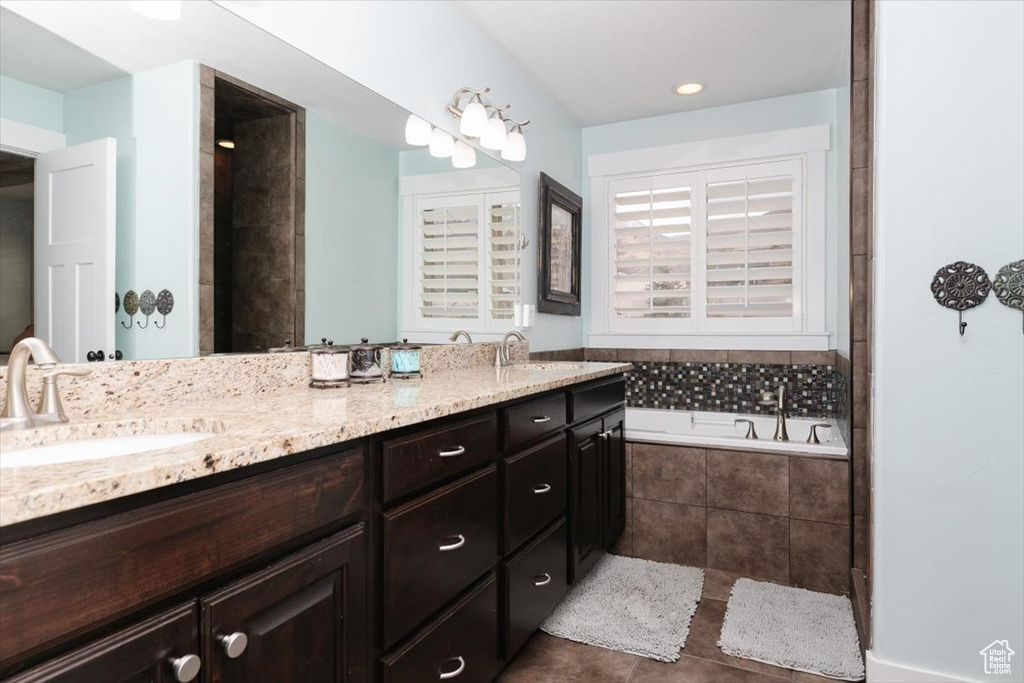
x=778, y=400
x=504, y=355
x=460, y=333
x=17, y=410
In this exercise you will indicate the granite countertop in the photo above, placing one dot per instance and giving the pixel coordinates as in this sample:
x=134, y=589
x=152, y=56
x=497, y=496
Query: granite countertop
x=249, y=431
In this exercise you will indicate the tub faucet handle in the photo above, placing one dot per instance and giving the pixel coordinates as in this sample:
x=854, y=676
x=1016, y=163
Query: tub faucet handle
x=813, y=436
x=751, y=434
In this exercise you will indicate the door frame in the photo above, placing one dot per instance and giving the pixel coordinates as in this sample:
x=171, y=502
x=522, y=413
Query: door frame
x=27, y=140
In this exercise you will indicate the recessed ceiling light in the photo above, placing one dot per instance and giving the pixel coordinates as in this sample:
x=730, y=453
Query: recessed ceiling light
x=226, y=144
x=688, y=88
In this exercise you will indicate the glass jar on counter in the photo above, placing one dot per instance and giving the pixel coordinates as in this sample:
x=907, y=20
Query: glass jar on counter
x=405, y=360
x=328, y=365
x=366, y=362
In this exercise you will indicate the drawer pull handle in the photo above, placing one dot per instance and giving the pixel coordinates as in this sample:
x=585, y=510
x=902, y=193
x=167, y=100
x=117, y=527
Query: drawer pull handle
x=542, y=580
x=458, y=670
x=541, y=420
x=543, y=488
x=234, y=644
x=452, y=453
x=185, y=668
x=453, y=546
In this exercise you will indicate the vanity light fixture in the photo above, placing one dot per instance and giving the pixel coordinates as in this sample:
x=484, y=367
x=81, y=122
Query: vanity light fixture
x=495, y=135
x=226, y=144
x=417, y=131
x=441, y=144
x=463, y=156
x=161, y=10
x=688, y=88
x=515, y=143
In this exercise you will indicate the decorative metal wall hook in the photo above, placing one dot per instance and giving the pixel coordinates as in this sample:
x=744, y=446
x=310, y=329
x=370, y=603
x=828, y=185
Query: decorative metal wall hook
x=1009, y=285
x=147, y=304
x=524, y=241
x=164, y=305
x=131, y=307
x=961, y=286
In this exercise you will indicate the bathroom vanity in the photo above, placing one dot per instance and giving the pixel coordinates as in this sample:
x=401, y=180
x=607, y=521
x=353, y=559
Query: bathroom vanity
x=423, y=548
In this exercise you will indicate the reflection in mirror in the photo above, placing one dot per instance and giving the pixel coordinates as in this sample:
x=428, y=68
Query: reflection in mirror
x=296, y=233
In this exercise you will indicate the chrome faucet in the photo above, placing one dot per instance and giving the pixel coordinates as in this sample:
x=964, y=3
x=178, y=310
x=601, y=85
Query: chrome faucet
x=460, y=333
x=17, y=410
x=504, y=356
x=769, y=398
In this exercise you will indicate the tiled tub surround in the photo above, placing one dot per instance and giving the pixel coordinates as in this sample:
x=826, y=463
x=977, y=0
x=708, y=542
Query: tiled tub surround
x=775, y=516
x=287, y=418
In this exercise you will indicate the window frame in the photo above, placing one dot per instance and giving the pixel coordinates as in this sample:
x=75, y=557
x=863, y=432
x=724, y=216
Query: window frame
x=808, y=146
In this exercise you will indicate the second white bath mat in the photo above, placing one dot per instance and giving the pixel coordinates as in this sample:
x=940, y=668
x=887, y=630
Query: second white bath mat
x=792, y=628
x=631, y=605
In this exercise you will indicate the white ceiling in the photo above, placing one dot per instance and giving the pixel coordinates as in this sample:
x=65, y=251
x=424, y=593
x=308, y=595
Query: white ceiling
x=616, y=60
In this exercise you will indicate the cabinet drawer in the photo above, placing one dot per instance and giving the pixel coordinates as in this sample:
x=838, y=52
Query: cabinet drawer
x=64, y=583
x=527, y=422
x=144, y=651
x=418, y=460
x=436, y=546
x=535, y=490
x=461, y=645
x=536, y=581
x=591, y=400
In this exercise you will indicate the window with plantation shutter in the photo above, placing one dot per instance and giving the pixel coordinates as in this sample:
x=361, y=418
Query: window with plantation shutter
x=652, y=226
x=502, y=213
x=450, y=264
x=752, y=230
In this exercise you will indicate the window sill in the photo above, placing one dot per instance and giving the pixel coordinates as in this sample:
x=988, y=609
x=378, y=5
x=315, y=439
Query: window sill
x=811, y=341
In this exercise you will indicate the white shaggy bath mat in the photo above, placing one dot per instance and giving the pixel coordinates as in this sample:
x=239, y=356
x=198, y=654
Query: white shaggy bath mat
x=630, y=605
x=792, y=628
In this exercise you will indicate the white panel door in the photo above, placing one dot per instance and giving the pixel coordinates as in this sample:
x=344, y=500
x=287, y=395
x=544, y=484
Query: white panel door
x=75, y=190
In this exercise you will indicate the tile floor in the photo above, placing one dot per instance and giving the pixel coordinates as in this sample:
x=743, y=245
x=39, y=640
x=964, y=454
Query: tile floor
x=547, y=659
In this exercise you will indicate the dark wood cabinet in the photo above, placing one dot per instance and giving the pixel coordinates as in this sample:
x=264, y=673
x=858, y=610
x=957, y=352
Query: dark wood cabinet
x=585, y=503
x=301, y=619
x=535, y=580
x=614, y=429
x=535, y=490
x=147, y=652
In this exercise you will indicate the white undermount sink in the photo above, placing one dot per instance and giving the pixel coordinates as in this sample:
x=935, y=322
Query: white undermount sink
x=96, y=449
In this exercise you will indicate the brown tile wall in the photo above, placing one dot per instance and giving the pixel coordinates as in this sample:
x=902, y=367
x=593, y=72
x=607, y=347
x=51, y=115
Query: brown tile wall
x=767, y=515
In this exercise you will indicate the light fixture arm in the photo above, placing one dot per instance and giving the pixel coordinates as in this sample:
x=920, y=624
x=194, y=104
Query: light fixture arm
x=455, y=108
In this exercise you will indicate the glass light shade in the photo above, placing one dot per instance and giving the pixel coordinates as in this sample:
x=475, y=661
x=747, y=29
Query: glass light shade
x=463, y=156
x=417, y=131
x=441, y=144
x=474, y=119
x=494, y=136
x=515, y=146
x=161, y=10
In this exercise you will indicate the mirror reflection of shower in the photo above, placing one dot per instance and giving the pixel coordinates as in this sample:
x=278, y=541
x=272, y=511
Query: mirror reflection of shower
x=16, y=250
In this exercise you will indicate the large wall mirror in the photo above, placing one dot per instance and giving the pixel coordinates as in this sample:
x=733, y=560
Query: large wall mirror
x=199, y=186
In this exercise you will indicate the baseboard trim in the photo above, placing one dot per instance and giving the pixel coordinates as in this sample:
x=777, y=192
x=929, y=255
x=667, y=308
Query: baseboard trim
x=880, y=671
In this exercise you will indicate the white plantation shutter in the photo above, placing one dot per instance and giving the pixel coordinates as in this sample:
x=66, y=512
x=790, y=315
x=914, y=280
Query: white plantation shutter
x=449, y=252
x=752, y=238
x=652, y=236
x=502, y=216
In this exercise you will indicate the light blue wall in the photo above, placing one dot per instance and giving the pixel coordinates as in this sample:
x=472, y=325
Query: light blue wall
x=351, y=235
x=794, y=111
x=948, y=474
x=417, y=54
x=419, y=162
x=31, y=104
x=154, y=118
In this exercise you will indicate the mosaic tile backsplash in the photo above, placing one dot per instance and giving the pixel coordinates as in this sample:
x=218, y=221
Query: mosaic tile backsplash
x=731, y=387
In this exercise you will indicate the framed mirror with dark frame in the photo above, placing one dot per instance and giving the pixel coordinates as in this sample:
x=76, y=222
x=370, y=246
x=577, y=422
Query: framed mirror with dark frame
x=561, y=211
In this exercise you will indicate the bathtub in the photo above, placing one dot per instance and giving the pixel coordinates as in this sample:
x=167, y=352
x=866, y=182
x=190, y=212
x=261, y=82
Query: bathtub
x=718, y=430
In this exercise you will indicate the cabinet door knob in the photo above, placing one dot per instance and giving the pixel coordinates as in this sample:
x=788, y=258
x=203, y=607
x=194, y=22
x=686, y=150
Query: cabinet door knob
x=185, y=668
x=541, y=420
x=234, y=644
x=445, y=547
x=458, y=670
x=542, y=580
x=543, y=488
x=452, y=453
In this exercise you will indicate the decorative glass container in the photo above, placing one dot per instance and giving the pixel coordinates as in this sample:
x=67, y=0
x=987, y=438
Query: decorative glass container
x=329, y=365
x=405, y=360
x=366, y=362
